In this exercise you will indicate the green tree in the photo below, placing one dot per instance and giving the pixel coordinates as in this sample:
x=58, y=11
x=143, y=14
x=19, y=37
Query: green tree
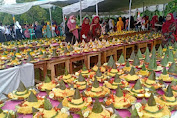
x=36, y=13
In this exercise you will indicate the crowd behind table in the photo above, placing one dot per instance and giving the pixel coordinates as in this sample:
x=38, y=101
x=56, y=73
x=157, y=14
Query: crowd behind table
x=90, y=29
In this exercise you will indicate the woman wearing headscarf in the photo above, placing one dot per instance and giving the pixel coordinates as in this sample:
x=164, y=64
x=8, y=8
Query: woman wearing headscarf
x=153, y=22
x=85, y=29
x=95, y=28
x=132, y=22
x=120, y=25
x=18, y=30
x=126, y=24
x=111, y=27
x=38, y=30
x=160, y=23
x=138, y=22
x=26, y=32
x=147, y=22
x=71, y=31
x=48, y=30
x=44, y=31
x=169, y=29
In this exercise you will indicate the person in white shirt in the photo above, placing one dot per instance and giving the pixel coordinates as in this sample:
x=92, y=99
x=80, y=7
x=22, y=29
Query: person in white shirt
x=2, y=30
x=18, y=30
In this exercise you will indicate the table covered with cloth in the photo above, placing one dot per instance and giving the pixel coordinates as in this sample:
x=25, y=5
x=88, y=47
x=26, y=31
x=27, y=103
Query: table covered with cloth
x=10, y=78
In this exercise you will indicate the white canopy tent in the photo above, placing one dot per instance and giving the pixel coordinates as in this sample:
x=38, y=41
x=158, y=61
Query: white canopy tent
x=20, y=8
x=83, y=5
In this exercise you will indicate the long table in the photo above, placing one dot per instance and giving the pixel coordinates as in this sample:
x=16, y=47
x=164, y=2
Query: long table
x=104, y=53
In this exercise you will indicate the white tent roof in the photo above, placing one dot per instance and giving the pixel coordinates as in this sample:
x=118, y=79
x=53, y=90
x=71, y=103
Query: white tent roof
x=76, y=6
x=21, y=8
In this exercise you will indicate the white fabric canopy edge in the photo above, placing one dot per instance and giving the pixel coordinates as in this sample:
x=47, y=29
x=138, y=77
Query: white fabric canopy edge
x=21, y=8
x=74, y=7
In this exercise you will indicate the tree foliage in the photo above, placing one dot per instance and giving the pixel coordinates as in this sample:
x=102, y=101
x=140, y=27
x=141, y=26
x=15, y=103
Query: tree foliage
x=36, y=13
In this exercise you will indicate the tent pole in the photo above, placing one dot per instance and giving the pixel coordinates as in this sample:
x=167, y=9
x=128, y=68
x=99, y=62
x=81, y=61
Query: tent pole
x=64, y=22
x=80, y=12
x=163, y=9
x=96, y=8
x=51, y=20
x=130, y=4
x=143, y=7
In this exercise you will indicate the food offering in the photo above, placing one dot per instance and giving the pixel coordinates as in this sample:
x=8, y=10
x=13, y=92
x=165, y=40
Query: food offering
x=81, y=83
x=120, y=100
x=132, y=56
x=143, y=71
x=76, y=102
x=46, y=85
x=100, y=77
x=151, y=80
x=67, y=78
x=14, y=61
x=113, y=83
x=139, y=91
x=131, y=76
x=113, y=71
x=60, y=92
x=96, y=90
x=121, y=60
x=85, y=71
x=151, y=108
x=102, y=68
x=153, y=64
x=99, y=111
x=26, y=106
x=127, y=67
x=168, y=99
x=165, y=76
x=48, y=111
x=7, y=114
x=173, y=69
x=21, y=93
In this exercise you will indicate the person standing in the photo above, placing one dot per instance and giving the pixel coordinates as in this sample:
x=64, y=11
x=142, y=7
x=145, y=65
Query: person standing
x=71, y=31
x=44, y=31
x=111, y=27
x=153, y=22
x=48, y=30
x=26, y=32
x=120, y=25
x=18, y=30
x=126, y=24
x=169, y=29
x=132, y=22
x=38, y=30
x=2, y=31
x=95, y=28
x=143, y=23
x=85, y=30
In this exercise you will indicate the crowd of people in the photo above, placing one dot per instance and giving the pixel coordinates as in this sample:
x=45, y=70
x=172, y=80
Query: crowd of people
x=18, y=32
x=91, y=29
x=97, y=27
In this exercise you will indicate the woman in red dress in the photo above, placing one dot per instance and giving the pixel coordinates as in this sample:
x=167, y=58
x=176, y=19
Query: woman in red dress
x=169, y=29
x=85, y=30
x=95, y=28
